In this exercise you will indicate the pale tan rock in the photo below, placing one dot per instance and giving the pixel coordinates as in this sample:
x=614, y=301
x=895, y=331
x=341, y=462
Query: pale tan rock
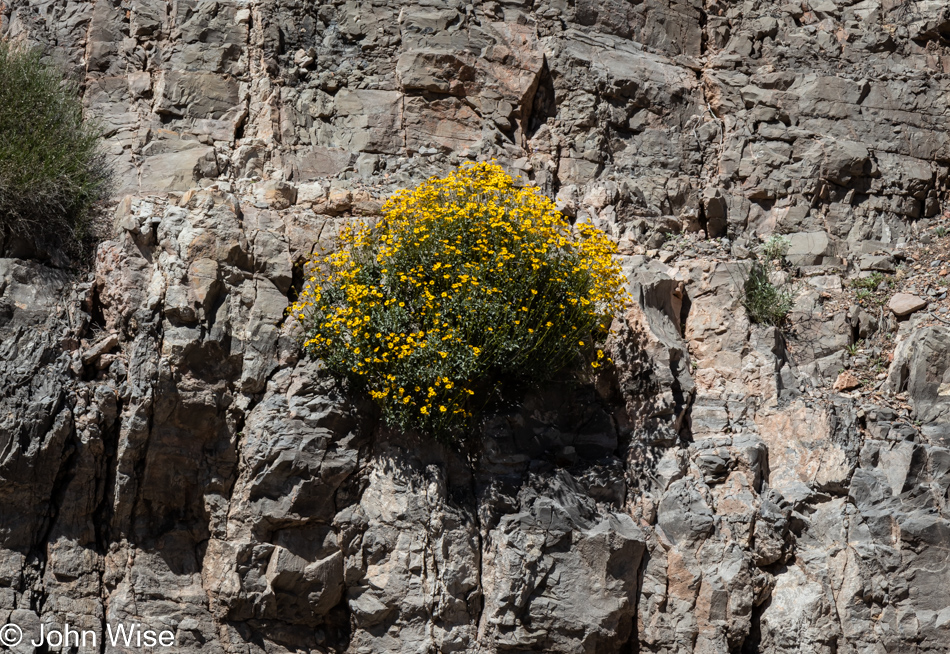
x=802, y=448
x=276, y=193
x=339, y=200
x=846, y=381
x=177, y=170
x=203, y=280
x=310, y=192
x=904, y=304
x=107, y=344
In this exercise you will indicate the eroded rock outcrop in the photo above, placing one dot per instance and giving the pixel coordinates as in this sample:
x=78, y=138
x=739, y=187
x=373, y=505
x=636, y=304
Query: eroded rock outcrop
x=169, y=458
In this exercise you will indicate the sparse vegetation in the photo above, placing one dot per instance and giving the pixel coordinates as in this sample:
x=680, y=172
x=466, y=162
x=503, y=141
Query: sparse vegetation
x=880, y=364
x=775, y=248
x=872, y=290
x=765, y=302
x=869, y=283
x=52, y=168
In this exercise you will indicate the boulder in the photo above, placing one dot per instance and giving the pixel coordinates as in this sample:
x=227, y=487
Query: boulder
x=904, y=304
x=846, y=381
x=809, y=248
x=177, y=170
x=276, y=193
x=921, y=367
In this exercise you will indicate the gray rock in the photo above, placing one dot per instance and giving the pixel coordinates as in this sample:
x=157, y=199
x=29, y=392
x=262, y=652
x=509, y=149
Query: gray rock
x=808, y=249
x=602, y=562
x=177, y=171
x=169, y=458
x=881, y=263
x=920, y=368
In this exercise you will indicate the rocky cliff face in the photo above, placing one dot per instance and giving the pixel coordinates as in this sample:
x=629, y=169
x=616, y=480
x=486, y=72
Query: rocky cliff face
x=168, y=458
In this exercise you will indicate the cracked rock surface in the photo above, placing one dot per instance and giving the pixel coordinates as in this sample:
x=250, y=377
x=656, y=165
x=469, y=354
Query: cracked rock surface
x=167, y=457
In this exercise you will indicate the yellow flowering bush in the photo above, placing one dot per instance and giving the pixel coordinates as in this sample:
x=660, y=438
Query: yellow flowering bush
x=466, y=283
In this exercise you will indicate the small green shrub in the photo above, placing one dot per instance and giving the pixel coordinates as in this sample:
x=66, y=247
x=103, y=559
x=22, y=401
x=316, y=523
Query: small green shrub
x=941, y=231
x=869, y=283
x=764, y=302
x=52, y=169
x=466, y=284
x=775, y=248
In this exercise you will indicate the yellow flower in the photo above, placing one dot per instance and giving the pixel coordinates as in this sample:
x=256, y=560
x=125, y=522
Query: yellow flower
x=461, y=251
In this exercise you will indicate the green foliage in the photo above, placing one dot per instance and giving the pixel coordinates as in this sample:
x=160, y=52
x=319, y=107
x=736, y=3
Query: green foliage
x=941, y=231
x=775, y=248
x=871, y=290
x=869, y=283
x=466, y=284
x=52, y=169
x=764, y=302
